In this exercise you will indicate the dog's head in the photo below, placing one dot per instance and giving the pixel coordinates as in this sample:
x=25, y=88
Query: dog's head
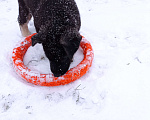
x=60, y=54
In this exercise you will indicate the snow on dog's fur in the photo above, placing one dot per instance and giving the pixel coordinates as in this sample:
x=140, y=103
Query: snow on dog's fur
x=57, y=23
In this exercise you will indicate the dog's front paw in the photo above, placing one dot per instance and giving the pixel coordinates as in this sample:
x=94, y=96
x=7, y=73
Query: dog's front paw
x=26, y=34
x=24, y=30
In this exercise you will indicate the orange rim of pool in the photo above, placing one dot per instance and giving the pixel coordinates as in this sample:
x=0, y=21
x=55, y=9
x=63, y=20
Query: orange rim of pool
x=49, y=79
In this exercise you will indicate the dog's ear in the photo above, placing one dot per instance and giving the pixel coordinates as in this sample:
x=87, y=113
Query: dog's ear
x=70, y=43
x=38, y=38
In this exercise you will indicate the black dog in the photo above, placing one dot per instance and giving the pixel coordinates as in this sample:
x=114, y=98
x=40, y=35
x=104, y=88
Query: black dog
x=57, y=23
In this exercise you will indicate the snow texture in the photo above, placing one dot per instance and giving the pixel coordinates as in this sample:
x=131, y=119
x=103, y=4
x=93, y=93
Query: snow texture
x=115, y=88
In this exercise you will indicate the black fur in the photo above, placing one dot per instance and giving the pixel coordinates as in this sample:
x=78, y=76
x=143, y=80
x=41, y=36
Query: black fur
x=57, y=23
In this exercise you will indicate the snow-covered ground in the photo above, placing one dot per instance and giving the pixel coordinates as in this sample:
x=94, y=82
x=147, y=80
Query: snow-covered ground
x=117, y=86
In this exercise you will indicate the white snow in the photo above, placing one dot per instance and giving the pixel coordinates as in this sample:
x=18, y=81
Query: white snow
x=117, y=86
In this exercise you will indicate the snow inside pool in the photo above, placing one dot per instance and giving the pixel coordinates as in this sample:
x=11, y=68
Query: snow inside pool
x=36, y=60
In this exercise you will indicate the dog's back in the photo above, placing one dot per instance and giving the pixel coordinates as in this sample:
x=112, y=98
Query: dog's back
x=64, y=12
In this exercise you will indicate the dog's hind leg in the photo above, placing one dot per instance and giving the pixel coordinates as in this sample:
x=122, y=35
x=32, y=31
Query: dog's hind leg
x=23, y=18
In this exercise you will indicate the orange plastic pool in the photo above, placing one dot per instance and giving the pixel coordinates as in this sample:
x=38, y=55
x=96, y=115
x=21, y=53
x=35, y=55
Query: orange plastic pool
x=48, y=79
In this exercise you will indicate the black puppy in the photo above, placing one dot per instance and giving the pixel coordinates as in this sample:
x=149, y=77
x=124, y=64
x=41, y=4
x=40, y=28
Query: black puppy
x=57, y=23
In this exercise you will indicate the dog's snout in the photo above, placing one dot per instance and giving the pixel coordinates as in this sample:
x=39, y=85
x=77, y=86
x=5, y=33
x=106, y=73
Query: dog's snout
x=61, y=67
x=57, y=74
